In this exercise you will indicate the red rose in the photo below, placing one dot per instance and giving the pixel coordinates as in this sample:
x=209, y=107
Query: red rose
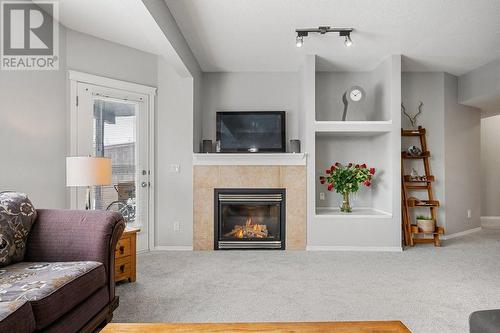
x=322, y=179
x=357, y=166
x=367, y=183
x=337, y=164
x=328, y=171
x=372, y=171
x=330, y=187
x=363, y=166
x=333, y=168
x=350, y=165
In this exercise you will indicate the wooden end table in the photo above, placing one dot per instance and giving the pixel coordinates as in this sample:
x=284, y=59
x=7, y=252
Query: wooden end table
x=125, y=255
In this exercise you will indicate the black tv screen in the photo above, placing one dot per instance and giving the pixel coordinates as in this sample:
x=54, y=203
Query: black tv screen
x=254, y=132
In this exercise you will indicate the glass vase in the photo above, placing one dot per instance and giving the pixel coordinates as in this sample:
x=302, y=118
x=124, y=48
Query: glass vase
x=346, y=205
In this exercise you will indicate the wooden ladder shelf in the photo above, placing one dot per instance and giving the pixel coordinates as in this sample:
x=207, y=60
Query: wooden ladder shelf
x=423, y=184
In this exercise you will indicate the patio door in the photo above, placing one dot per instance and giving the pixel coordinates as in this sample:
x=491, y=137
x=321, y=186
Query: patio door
x=114, y=123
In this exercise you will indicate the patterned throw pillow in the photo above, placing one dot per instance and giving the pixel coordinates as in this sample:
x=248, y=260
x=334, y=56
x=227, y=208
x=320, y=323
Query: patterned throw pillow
x=17, y=215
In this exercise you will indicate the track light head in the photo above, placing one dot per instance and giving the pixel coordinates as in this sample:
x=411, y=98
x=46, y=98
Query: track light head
x=347, y=35
x=299, y=41
x=348, y=40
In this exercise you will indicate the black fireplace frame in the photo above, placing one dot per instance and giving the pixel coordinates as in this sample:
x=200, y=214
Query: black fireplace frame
x=217, y=204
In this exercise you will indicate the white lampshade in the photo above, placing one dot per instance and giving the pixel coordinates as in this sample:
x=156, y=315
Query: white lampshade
x=88, y=171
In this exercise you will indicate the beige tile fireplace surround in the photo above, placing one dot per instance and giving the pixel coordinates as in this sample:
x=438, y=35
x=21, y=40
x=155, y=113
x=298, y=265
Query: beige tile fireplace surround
x=208, y=177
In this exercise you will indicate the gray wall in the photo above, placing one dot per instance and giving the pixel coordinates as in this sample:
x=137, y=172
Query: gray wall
x=178, y=132
x=453, y=138
x=250, y=92
x=371, y=150
x=490, y=160
x=481, y=88
x=166, y=22
x=163, y=17
x=35, y=115
x=462, y=160
x=92, y=55
x=33, y=123
x=197, y=113
x=382, y=151
x=428, y=88
x=330, y=87
x=173, y=124
x=35, y=106
x=174, y=132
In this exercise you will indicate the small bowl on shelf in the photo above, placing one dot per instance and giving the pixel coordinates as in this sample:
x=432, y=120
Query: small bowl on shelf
x=426, y=225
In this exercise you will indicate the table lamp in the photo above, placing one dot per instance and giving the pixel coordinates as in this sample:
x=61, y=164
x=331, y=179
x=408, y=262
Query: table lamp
x=88, y=171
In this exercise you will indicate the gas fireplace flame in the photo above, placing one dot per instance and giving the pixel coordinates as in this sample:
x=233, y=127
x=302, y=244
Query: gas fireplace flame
x=249, y=230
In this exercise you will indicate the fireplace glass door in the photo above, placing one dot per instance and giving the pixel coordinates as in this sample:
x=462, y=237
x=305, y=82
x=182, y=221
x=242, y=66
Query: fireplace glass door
x=250, y=219
x=255, y=221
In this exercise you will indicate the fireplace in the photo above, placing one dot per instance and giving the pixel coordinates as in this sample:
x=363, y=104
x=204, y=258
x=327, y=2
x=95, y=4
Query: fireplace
x=249, y=219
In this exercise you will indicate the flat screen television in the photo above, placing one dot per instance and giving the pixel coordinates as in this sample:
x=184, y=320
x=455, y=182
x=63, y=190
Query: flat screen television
x=251, y=131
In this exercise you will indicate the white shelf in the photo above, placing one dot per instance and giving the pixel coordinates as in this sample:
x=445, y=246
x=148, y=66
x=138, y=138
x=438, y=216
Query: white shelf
x=353, y=127
x=250, y=159
x=357, y=212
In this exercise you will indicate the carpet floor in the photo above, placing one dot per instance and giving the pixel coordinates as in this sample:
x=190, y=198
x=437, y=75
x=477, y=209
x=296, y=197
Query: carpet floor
x=429, y=289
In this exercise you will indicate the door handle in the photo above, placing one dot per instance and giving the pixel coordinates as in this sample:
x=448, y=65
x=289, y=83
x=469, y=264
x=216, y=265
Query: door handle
x=144, y=184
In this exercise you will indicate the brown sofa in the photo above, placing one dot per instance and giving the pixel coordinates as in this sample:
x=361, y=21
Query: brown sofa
x=66, y=281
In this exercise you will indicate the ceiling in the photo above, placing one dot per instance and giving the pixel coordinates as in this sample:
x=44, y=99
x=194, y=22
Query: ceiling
x=126, y=22
x=112, y=20
x=258, y=35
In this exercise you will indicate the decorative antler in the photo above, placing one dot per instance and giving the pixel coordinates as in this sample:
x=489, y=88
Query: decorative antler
x=413, y=119
x=403, y=109
x=420, y=104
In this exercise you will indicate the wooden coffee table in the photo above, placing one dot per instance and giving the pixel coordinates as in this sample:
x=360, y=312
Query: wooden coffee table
x=308, y=327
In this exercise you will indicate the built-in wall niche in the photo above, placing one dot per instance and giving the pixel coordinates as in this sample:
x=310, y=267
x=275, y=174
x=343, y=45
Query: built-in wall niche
x=370, y=148
x=369, y=135
x=330, y=87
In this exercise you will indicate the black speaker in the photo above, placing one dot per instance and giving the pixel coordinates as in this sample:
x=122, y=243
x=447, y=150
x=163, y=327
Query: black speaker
x=207, y=146
x=295, y=146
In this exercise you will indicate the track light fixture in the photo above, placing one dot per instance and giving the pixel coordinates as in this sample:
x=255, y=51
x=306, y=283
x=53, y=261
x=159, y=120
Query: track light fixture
x=343, y=32
x=299, y=41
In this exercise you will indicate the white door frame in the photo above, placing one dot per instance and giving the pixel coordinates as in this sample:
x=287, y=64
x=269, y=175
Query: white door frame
x=149, y=92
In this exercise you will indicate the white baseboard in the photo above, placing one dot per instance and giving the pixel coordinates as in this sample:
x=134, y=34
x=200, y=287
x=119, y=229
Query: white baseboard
x=173, y=248
x=490, y=222
x=460, y=234
x=355, y=248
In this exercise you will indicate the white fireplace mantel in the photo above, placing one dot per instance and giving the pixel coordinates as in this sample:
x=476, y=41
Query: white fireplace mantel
x=250, y=159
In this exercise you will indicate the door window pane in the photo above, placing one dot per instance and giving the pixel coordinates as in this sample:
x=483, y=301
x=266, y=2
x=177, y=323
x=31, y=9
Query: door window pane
x=114, y=136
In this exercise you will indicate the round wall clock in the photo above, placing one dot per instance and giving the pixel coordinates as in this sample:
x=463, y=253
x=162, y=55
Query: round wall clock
x=356, y=94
